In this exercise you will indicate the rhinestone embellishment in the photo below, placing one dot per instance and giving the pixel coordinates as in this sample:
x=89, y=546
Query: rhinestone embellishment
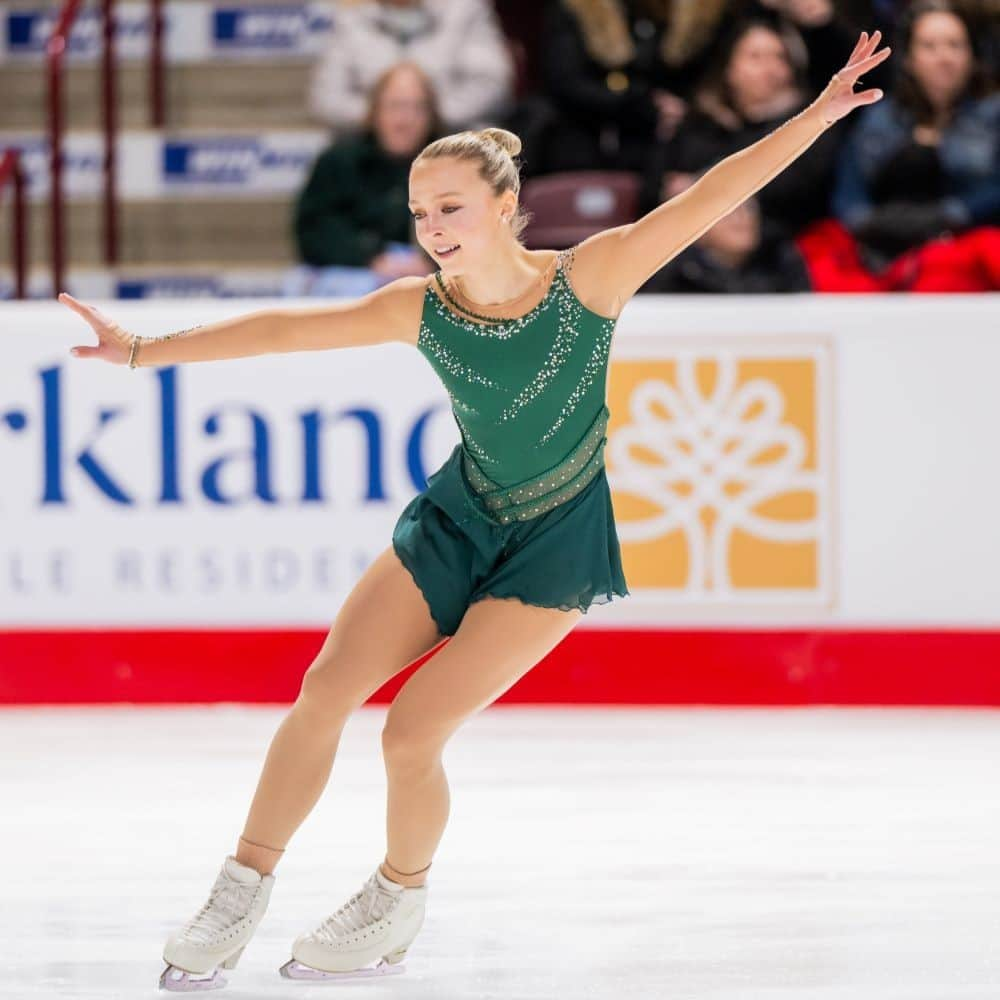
x=507, y=406
x=549, y=489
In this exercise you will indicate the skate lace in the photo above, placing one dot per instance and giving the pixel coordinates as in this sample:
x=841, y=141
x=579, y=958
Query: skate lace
x=227, y=904
x=372, y=903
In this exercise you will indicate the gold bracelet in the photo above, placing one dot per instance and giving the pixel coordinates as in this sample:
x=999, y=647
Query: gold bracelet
x=136, y=341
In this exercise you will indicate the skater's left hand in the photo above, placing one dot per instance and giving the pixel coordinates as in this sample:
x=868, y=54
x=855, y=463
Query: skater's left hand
x=839, y=99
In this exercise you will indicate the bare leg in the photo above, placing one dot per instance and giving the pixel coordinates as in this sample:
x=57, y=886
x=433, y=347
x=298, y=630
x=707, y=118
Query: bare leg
x=358, y=656
x=498, y=642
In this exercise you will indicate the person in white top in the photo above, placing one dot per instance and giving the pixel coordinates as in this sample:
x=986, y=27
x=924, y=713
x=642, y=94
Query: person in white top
x=458, y=43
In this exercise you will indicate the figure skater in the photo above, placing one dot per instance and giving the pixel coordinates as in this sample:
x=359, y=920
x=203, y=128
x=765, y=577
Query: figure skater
x=509, y=544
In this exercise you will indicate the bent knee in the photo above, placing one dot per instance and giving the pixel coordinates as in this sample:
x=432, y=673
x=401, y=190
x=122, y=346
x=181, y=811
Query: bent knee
x=327, y=688
x=412, y=743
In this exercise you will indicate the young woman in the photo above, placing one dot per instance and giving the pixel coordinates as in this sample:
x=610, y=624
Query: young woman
x=927, y=160
x=753, y=85
x=510, y=543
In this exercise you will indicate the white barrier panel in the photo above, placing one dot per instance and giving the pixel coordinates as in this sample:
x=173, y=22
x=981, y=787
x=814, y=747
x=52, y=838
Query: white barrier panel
x=180, y=282
x=795, y=459
x=153, y=165
x=192, y=31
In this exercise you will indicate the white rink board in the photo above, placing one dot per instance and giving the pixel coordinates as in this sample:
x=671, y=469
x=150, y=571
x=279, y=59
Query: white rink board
x=244, y=164
x=193, y=31
x=154, y=515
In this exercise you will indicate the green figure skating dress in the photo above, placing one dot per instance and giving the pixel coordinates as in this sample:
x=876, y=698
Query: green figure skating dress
x=522, y=507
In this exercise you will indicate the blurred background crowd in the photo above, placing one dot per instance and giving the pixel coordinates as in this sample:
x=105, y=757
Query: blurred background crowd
x=275, y=160
x=620, y=104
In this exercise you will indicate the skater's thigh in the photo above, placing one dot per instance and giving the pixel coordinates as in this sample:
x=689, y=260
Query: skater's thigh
x=497, y=643
x=382, y=627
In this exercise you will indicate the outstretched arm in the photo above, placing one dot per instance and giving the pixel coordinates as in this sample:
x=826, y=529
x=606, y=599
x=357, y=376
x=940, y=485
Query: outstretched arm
x=614, y=264
x=389, y=313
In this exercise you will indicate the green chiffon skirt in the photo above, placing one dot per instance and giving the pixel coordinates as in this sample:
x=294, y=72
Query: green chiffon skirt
x=457, y=552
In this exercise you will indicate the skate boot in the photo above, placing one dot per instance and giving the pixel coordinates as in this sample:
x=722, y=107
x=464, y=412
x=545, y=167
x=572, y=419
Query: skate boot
x=217, y=934
x=376, y=925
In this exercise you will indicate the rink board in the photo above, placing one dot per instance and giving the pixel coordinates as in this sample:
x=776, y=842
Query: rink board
x=805, y=487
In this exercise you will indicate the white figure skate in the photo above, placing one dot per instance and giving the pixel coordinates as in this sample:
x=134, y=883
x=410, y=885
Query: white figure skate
x=217, y=934
x=376, y=925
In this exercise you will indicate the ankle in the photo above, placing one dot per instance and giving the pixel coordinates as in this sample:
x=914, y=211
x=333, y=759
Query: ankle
x=258, y=857
x=413, y=881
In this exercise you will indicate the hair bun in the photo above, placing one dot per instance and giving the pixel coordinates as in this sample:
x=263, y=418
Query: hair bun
x=507, y=141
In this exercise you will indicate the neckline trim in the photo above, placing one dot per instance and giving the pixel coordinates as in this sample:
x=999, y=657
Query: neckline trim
x=507, y=321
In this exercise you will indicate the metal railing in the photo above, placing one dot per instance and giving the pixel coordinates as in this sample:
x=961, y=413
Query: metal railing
x=157, y=92
x=12, y=171
x=55, y=51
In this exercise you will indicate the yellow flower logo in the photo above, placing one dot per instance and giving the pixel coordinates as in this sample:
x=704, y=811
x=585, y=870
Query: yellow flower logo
x=718, y=463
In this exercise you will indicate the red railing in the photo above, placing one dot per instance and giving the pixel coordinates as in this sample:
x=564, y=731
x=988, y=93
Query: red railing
x=11, y=170
x=157, y=95
x=55, y=51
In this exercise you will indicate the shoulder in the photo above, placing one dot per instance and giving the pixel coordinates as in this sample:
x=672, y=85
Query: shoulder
x=982, y=108
x=342, y=154
x=589, y=267
x=356, y=147
x=991, y=103
x=881, y=116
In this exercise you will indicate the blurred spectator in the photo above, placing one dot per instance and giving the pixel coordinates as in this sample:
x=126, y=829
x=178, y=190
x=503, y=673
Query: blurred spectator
x=733, y=256
x=458, y=44
x=521, y=22
x=616, y=73
x=926, y=159
x=827, y=34
x=888, y=15
x=353, y=211
x=752, y=88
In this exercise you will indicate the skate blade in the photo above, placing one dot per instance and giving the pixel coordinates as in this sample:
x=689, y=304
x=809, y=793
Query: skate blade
x=180, y=981
x=293, y=969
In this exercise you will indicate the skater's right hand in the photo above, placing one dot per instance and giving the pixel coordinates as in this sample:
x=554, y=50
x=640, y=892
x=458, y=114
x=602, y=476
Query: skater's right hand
x=113, y=343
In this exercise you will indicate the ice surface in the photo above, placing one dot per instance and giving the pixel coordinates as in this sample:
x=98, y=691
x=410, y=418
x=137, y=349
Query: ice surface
x=752, y=854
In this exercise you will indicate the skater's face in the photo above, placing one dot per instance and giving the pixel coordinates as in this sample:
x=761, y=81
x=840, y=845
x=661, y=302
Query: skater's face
x=452, y=205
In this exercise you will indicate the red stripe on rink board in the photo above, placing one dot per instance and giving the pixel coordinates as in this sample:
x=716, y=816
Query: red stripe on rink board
x=591, y=666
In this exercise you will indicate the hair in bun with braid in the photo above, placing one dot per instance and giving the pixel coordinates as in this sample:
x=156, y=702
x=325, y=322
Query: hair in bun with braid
x=493, y=151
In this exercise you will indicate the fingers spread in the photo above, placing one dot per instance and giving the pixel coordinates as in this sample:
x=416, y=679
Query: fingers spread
x=851, y=73
x=89, y=313
x=865, y=47
x=67, y=300
x=867, y=64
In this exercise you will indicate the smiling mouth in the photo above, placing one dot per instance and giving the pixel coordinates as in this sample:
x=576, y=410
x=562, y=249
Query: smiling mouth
x=449, y=251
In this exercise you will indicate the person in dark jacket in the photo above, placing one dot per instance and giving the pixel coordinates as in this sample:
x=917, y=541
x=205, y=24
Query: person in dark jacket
x=353, y=210
x=615, y=73
x=751, y=88
x=735, y=256
x=826, y=26
x=925, y=161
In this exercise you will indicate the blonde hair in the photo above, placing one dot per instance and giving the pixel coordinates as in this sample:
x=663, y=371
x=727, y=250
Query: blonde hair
x=493, y=149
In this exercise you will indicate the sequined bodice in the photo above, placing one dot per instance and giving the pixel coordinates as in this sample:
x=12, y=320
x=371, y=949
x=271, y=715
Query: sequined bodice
x=524, y=393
